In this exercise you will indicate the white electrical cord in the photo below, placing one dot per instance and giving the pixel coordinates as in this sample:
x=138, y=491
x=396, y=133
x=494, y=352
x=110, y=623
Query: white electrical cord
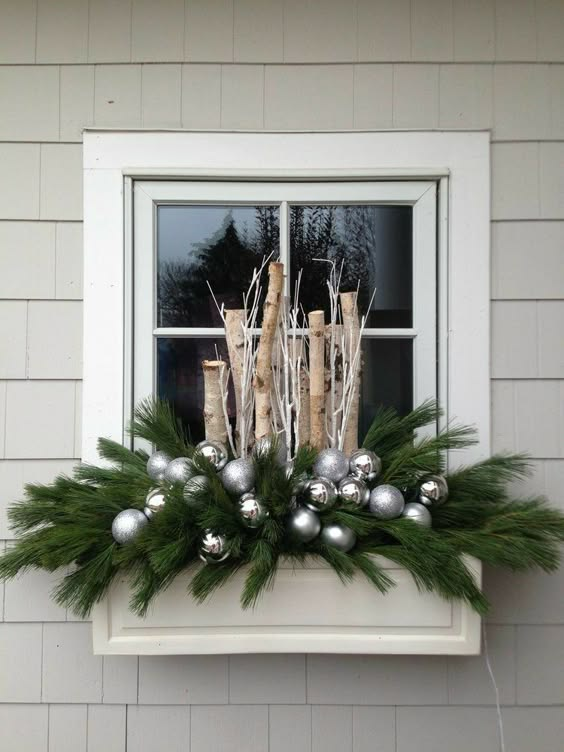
x=496, y=690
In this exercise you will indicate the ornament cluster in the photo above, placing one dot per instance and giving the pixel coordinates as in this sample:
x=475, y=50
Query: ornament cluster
x=336, y=479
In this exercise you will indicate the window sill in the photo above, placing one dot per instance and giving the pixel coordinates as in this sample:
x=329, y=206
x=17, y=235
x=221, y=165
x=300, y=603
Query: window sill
x=307, y=611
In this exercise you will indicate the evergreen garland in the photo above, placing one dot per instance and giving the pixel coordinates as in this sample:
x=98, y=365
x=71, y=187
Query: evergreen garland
x=67, y=524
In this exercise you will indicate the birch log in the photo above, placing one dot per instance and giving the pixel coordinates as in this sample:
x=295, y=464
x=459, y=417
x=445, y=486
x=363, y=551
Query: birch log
x=234, y=333
x=263, y=375
x=351, y=324
x=333, y=379
x=303, y=417
x=214, y=420
x=317, y=379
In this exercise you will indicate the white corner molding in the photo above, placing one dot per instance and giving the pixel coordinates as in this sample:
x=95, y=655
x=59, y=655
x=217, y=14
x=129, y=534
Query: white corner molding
x=308, y=610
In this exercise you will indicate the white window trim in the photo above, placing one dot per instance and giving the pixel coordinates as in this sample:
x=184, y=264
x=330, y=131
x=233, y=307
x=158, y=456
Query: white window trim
x=459, y=160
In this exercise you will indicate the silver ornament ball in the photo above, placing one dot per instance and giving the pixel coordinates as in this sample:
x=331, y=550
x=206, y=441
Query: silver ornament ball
x=365, y=465
x=238, y=476
x=252, y=510
x=179, y=471
x=127, y=525
x=156, y=465
x=303, y=524
x=154, y=502
x=332, y=464
x=354, y=490
x=386, y=502
x=213, y=548
x=214, y=452
x=418, y=513
x=319, y=494
x=338, y=536
x=264, y=446
x=433, y=490
x=195, y=485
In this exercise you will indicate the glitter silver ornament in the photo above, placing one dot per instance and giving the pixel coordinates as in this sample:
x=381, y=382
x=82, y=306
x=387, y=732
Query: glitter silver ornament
x=353, y=490
x=154, y=502
x=215, y=452
x=252, y=510
x=303, y=524
x=128, y=524
x=365, y=464
x=332, y=464
x=433, y=490
x=386, y=502
x=238, y=476
x=213, y=548
x=179, y=471
x=319, y=494
x=418, y=513
x=156, y=465
x=195, y=485
x=338, y=536
x=263, y=446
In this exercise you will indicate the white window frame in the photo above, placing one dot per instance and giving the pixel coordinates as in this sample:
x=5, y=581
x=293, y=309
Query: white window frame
x=458, y=162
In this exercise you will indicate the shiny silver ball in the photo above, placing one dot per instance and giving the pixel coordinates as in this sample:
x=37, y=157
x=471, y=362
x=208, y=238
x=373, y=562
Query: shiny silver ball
x=214, y=452
x=238, y=476
x=156, y=465
x=263, y=446
x=179, y=471
x=213, y=548
x=195, y=485
x=338, y=536
x=365, y=465
x=418, y=513
x=154, y=502
x=252, y=510
x=433, y=490
x=303, y=524
x=386, y=502
x=128, y=524
x=332, y=464
x=354, y=490
x=319, y=494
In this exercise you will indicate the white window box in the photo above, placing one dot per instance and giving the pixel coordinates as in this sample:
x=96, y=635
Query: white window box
x=307, y=611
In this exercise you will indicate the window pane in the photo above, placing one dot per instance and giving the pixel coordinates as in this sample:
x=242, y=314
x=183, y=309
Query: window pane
x=180, y=378
x=375, y=243
x=216, y=244
x=387, y=378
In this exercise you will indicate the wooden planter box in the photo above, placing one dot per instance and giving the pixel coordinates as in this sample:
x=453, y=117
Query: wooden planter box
x=307, y=611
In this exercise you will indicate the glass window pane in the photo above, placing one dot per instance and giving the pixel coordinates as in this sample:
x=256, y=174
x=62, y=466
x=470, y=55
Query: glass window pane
x=180, y=378
x=216, y=244
x=375, y=243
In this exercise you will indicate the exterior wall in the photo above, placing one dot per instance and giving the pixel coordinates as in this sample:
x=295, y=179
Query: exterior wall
x=65, y=64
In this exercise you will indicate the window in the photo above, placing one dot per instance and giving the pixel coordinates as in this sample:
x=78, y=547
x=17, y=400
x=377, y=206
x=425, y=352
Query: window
x=189, y=234
x=420, y=201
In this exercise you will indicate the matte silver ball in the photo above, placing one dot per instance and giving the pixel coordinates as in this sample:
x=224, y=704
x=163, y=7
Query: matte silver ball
x=154, y=502
x=354, y=490
x=433, y=490
x=303, y=524
x=418, y=513
x=128, y=524
x=213, y=548
x=238, y=476
x=263, y=446
x=214, y=452
x=252, y=510
x=179, y=471
x=365, y=464
x=386, y=502
x=319, y=494
x=338, y=536
x=332, y=464
x=156, y=465
x=195, y=485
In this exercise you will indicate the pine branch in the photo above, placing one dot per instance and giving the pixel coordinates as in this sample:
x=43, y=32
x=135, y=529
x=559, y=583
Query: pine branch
x=389, y=431
x=262, y=570
x=154, y=421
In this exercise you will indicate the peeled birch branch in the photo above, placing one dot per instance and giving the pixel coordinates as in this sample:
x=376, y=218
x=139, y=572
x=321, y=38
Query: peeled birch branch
x=214, y=420
x=263, y=373
x=317, y=379
x=351, y=325
x=235, y=336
